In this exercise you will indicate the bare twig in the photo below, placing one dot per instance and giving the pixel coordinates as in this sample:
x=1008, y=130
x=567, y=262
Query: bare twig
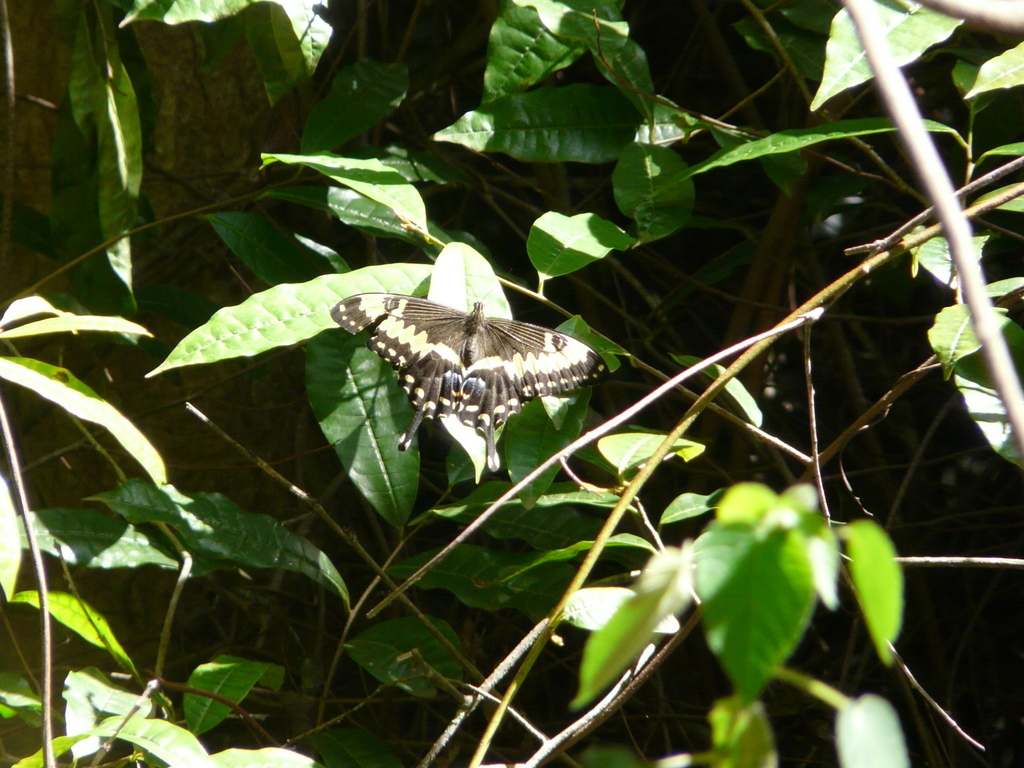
x=21, y=495
x=1003, y=16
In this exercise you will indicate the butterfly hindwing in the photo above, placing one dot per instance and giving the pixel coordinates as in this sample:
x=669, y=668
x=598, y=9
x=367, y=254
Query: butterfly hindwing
x=479, y=369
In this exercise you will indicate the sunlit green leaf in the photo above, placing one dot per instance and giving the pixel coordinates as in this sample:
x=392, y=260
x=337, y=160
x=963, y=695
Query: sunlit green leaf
x=60, y=386
x=878, y=582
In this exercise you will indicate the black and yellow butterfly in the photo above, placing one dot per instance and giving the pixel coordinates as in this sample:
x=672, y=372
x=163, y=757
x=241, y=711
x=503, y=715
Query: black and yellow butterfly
x=476, y=368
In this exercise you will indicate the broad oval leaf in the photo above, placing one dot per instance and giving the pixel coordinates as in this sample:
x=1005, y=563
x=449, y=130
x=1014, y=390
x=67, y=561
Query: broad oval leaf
x=354, y=748
x=629, y=450
x=910, y=30
x=582, y=123
x=1002, y=71
x=363, y=413
x=868, y=735
x=878, y=582
x=531, y=438
x=489, y=579
x=91, y=539
x=216, y=530
x=758, y=594
x=361, y=95
x=170, y=743
x=521, y=52
x=953, y=338
x=559, y=244
x=227, y=676
x=687, y=505
x=286, y=314
x=59, y=386
x=662, y=590
x=369, y=177
x=383, y=651
x=266, y=249
x=642, y=170
x=92, y=698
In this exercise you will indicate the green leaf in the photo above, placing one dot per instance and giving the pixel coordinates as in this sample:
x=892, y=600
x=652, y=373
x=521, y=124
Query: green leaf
x=531, y=438
x=878, y=582
x=662, y=590
x=183, y=307
x=91, y=539
x=746, y=504
x=522, y=52
x=81, y=619
x=1002, y=71
x=31, y=229
x=910, y=29
x=383, y=651
x=687, y=505
x=745, y=404
x=276, y=49
x=629, y=450
x=286, y=314
x=983, y=401
x=268, y=757
x=591, y=608
x=354, y=748
x=561, y=244
x=361, y=95
x=59, y=386
x=10, y=544
x=868, y=735
x=102, y=96
x=368, y=177
x=953, y=337
x=642, y=170
x=412, y=164
x=784, y=142
x=581, y=122
x=266, y=249
x=806, y=49
x=68, y=322
x=361, y=212
x=462, y=277
x=18, y=699
x=363, y=412
x=227, y=676
x=479, y=578
x=209, y=525
x=295, y=33
x=758, y=592
x=600, y=26
x=935, y=257
x=742, y=734
x=173, y=745
x=91, y=698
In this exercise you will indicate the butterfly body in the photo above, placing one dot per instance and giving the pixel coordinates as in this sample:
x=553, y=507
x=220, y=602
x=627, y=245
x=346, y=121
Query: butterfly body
x=465, y=364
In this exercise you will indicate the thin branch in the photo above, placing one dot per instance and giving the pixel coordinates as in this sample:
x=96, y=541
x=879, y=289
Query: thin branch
x=1005, y=17
x=18, y=480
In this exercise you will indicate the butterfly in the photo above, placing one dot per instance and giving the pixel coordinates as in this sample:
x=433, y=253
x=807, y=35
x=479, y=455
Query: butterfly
x=479, y=369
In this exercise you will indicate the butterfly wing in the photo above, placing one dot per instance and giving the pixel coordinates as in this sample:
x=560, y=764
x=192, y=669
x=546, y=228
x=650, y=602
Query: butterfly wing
x=420, y=339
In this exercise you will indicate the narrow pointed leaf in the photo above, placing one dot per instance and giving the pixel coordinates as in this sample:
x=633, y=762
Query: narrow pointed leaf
x=60, y=386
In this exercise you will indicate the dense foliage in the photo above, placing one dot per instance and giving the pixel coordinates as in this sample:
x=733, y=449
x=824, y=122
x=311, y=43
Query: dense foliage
x=718, y=561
